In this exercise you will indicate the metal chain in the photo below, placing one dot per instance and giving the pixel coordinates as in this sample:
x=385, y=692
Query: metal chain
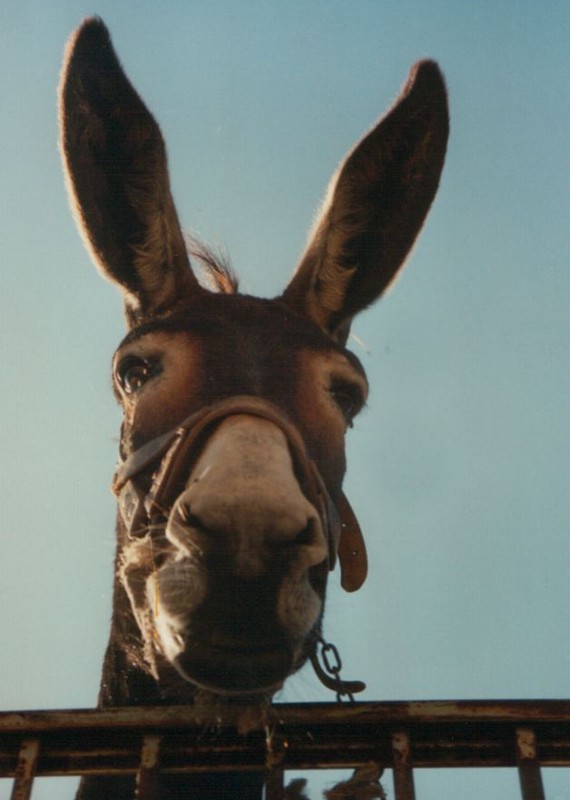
x=333, y=666
x=327, y=664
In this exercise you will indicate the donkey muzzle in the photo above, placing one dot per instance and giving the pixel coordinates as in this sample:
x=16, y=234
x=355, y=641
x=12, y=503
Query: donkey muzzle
x=174, y=452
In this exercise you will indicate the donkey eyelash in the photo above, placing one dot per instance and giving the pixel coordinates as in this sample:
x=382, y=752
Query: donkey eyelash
x=132, y=372
x=349, y=398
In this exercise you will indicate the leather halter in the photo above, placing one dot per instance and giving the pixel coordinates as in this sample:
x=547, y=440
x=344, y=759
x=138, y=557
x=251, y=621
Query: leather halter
x=172, y=454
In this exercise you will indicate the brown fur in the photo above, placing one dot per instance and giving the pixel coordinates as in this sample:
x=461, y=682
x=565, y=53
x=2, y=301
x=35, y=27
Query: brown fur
x=257, y=596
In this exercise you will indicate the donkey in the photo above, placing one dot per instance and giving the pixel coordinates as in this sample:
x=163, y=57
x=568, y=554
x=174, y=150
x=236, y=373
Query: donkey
x=230, y=505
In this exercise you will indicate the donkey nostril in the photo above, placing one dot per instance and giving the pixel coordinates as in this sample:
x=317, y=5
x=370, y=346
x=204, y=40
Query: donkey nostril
x=190, y=519
x=304, y=537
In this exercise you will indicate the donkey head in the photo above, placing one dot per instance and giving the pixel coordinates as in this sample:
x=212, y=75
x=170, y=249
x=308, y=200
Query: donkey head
x=235, y=408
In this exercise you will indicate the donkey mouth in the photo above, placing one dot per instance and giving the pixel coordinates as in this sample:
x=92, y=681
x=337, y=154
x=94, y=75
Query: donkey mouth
x=235, y=670
x=224, y=643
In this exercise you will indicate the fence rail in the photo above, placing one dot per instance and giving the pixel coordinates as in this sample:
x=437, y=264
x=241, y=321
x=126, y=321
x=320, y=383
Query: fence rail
x=399, y=736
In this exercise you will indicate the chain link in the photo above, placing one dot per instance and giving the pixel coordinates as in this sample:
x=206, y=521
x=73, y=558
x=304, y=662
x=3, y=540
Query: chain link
x=332, y=662
x=327, y=663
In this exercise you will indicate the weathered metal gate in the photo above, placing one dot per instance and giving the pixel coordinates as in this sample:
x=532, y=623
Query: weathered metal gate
x=397, y=735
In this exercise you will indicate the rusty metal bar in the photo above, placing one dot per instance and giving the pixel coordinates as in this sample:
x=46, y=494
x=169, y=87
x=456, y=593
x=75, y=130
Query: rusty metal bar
x=529, y=765
x=402, y=769
x=518, y=712
x=275, y=747
x=274, y=783
x=319, y=735
x=148, y=773
x=25, y=769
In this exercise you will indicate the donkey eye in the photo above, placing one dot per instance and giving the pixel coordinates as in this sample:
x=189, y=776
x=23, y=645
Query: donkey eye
x=133, y=372
x=348, y=398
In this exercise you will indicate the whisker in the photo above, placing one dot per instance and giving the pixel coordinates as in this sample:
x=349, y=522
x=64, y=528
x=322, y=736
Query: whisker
x=156, y=587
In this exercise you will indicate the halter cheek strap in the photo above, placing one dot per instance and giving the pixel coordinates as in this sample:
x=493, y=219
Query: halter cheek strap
x=175, y=450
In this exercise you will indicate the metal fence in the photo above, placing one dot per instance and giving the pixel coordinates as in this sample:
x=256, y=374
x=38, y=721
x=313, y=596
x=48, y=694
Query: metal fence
x=398, y=736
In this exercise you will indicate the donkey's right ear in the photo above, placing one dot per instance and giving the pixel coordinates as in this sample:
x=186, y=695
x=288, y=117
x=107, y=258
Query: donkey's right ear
x=115, y=162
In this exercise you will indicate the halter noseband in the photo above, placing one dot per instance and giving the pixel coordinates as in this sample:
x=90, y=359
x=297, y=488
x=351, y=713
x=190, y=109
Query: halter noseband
x=172, y=454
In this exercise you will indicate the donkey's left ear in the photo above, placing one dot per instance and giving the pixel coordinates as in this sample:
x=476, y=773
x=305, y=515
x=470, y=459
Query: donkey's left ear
x=375, y=207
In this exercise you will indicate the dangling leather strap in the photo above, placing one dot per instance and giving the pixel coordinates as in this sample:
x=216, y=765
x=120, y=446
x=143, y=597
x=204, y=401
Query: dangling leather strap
x=351, y=548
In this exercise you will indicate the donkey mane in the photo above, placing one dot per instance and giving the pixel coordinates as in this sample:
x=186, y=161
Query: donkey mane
x=217, y=270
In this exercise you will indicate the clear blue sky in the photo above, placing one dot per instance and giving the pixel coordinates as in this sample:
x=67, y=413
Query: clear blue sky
x=458, y=470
